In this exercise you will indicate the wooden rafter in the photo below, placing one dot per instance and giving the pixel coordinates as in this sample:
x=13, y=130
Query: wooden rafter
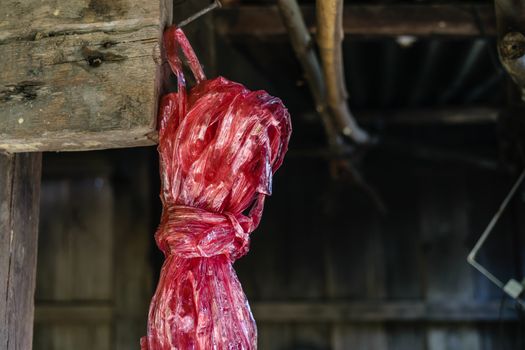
x=451, y=20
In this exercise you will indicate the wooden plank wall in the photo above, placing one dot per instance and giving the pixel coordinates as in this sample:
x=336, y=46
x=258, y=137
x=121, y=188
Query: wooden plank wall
x=94, y=276
x=75, y=263
x=324, y=243
x=326, y=269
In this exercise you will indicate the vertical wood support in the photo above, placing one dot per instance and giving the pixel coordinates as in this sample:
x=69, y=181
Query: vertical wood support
x=19, y=209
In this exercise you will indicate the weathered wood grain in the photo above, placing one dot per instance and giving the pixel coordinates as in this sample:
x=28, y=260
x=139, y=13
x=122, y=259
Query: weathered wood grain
x=23, y=19
x=82, y=75
x=19, y=210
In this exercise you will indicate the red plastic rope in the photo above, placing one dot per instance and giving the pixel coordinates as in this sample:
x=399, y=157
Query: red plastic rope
x=219, y=146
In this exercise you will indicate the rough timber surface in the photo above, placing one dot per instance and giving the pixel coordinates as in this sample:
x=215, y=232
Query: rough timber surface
x=80, y=75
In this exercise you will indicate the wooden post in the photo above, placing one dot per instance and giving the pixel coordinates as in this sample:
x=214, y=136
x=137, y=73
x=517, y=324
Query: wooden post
x=365, y=20
x=19, y=209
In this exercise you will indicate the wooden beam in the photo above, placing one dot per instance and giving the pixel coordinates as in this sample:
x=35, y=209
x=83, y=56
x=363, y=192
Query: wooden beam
x=421, y=116
x=69, y=313
x=80, y=75
x=448, y=115
x=19, y=210
x=367, y=20
x=380, y=311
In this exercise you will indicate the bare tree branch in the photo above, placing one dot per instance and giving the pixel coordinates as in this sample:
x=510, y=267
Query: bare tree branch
x=330, y=38
x=303, y=47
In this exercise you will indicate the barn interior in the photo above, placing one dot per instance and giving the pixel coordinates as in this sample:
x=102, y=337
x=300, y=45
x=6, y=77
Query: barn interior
x=361, y=247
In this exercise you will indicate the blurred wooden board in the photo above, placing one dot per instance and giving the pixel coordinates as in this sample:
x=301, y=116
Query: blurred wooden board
x=80, y=75
x=75, y=280
x=19, y=212
x=94, y=275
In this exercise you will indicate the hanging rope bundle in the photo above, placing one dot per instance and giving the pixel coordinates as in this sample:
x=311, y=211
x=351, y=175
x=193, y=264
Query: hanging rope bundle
x=219, y=146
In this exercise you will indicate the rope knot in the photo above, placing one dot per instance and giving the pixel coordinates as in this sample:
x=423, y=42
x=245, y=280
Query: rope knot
x=190, y=232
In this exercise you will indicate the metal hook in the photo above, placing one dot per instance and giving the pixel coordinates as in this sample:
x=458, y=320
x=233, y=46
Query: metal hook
x=211, y=7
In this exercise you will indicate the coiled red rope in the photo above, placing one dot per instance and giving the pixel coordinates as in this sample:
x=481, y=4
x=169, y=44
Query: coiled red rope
x=219, y=146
